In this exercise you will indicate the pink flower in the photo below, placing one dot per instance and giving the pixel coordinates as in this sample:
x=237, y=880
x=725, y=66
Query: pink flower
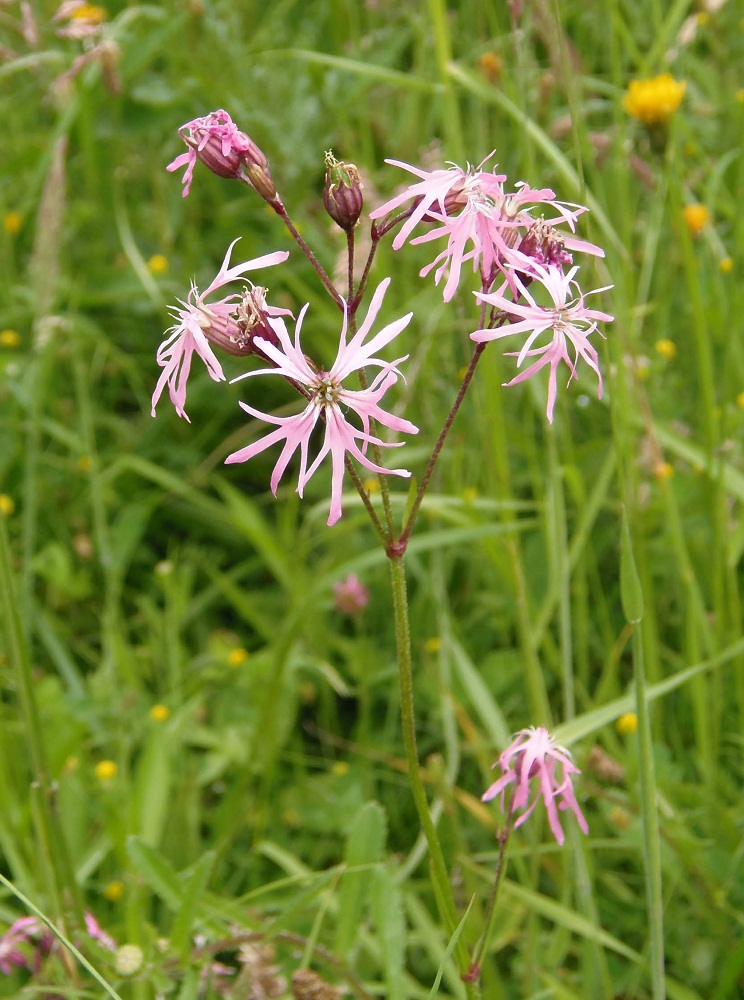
x=350, y=595
x=535, y=754
x=479, y=220
x=197, y=321
x=327, y=397
x=21, y=931
x=568, y=320
x=95, y=931
x=220, y=145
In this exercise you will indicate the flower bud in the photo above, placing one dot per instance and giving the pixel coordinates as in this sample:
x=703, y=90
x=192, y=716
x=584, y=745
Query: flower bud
x=342, y=195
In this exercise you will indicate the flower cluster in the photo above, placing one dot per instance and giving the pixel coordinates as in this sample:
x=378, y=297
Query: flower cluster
x=495, y=229
x=528, y=289
x=534, y=754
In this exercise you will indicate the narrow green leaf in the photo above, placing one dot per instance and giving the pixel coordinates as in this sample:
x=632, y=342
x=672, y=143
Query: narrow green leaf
x=156, y=871
x=448, y=951
x=183, y=925
x=364, y=847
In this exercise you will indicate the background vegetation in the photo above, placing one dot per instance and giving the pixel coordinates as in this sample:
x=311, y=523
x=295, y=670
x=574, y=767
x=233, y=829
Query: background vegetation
x=180, y=623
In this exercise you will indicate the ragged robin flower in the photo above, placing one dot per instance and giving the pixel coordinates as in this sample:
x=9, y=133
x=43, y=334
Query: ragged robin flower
x=535, y=757
x=654, y=101
x=567, y=321
x=329, y=399
x=198, y=323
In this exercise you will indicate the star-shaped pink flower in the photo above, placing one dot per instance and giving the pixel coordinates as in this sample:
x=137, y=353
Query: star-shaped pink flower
x=567, y=321
x=329, y=398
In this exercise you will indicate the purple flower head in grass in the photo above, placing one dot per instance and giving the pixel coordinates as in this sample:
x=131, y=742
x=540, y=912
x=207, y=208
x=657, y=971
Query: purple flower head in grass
x=479, y=219
x=566, y=321
x=534, y=754
x=220, y=145
x=328, y=397
x=198, y=322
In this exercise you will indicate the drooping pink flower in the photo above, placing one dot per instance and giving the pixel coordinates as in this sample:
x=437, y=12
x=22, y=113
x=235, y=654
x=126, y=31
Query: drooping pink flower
x=534, y=754
x=328, y=397
x=194, y=322
x=220, y=145
x=567, y=321
x=350, y=595
x=479, y=219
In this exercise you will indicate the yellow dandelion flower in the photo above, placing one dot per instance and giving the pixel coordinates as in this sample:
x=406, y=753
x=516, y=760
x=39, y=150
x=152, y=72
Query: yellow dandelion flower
x=340, y=768
x=627, y=723
x=697, y=218
x=7, y=505
x=237, y=656
x=666, y=348
x=157, y=264
x=433, y=645
x=654, y=101
x=740, y=400
x=114, y=891
x=725, y=265
x=663, y=470
x=9, y=338
x=12, y=223
x=160, y=713
x=106, y=770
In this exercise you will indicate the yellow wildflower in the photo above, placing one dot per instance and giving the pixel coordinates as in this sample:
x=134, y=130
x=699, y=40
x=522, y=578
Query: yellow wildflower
x=12, y=223
x=9, y=338
x=725, y=265
x=666, y=348
x=697, y=218
x=7, y=505
x=114, y=891
x=627, y=723
x=106, y=770
x=654, y=101
x=157, y=264
x=340, y=768
x=740, y=400
x=237, y=656
x=159, y=713
x=433, y=645
x=663, y=470
x=371, y=485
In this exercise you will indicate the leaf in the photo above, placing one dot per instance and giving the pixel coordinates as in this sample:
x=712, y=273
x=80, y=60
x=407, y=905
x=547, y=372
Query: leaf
x=156, y=871
x=182, y=930
x=387, y=910
x=364, y=848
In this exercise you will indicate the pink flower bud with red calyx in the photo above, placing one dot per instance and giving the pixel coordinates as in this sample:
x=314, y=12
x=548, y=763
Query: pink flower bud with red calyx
x=342, y=194
x=542, y=243
x=218, y=143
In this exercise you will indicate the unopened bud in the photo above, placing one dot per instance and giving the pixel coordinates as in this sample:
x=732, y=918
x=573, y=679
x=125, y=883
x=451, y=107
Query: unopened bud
x=342, y=195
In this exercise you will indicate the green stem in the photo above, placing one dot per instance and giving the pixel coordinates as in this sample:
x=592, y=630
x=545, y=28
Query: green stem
x=48, y=827
x=439, y=874
x=652, y=855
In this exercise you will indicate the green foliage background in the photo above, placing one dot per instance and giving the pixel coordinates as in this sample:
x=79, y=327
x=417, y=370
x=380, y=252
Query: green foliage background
x=143, y=569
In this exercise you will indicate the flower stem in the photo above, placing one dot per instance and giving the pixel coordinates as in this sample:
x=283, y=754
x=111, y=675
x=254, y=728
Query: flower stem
x=400, y=545
x=439, y=875
x=491, y=906
x=317, y=266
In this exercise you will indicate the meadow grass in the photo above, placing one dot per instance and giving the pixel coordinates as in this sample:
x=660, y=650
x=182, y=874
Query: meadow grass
x=196, y=745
